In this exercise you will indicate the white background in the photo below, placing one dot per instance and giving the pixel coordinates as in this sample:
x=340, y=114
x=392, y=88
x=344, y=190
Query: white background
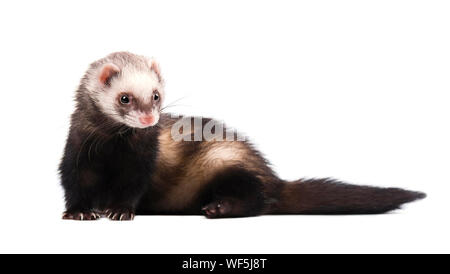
x=357, y=90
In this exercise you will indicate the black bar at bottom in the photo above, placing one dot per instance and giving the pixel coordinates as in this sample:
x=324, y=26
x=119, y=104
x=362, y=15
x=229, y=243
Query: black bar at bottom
x=225, y=263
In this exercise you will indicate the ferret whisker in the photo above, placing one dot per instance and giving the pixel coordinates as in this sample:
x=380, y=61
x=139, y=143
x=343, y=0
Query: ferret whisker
x=171, y=106
x=83, y=144
x=177, y=100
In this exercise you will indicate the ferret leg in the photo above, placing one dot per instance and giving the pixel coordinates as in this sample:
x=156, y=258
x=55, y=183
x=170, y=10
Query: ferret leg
x=126, y=192
x=233, y=193
x=79, y=185
x=79, y=180
x=78, y=205
x=79, y=200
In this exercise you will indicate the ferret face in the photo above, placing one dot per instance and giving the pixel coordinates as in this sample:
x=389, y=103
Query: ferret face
x=131, y=96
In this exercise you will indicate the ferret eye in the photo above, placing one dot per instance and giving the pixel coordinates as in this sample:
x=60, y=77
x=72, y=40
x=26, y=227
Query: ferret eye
x=124, y=99
x=156, y=97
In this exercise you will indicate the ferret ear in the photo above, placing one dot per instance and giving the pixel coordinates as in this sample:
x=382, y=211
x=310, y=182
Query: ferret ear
x=107, y=72
x=155, y=67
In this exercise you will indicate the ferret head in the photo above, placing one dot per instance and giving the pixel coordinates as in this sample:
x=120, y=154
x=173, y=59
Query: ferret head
x=128, y=88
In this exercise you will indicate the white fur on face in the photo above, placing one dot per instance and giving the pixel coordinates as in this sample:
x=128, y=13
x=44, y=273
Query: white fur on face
x=141, y=84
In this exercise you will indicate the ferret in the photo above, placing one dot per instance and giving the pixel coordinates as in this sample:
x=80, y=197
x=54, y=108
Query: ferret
x=121, y=158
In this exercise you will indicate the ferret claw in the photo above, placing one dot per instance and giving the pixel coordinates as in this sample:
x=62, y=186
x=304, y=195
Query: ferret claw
x=81, y=216
x=119, y=215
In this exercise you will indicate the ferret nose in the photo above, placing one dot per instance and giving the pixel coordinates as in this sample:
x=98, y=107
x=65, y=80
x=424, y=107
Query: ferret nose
x=146, y=119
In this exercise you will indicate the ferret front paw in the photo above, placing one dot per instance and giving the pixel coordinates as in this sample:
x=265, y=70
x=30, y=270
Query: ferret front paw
x=217, y=209
x=81, y=216
x=119, y=214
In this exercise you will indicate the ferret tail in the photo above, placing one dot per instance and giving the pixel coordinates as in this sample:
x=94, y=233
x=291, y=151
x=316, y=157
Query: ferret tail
x=328, y=196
